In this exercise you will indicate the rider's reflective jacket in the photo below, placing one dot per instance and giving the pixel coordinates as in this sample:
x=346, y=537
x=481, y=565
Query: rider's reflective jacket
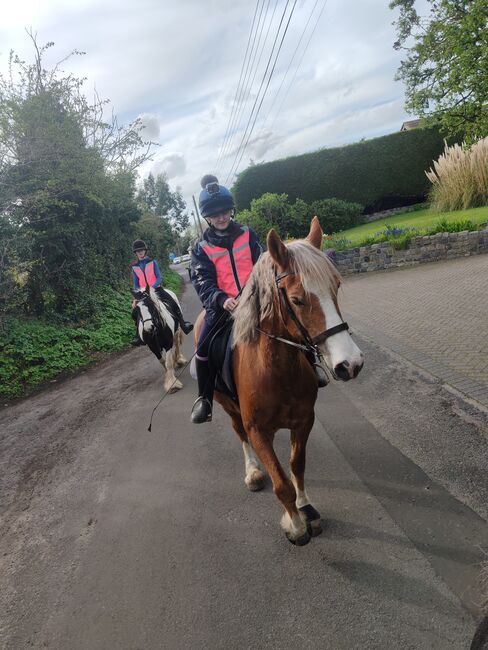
x=146, y=273
x=222, y=264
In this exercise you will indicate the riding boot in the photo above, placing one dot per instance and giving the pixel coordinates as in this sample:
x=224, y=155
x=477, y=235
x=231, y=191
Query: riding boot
x=202, y=408
x=136, y=341
x=175, y=308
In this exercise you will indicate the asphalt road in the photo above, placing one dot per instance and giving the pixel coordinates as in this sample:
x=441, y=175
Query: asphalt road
x=113, y=537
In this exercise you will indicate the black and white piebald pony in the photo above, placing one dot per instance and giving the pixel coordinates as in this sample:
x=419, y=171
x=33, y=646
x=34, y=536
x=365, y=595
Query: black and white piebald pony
x=159, y=330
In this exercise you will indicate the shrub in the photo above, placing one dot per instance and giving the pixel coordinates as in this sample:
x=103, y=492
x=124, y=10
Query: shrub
x=460, y=177
x=443, y=225
x=335, y=214
x=381, y=173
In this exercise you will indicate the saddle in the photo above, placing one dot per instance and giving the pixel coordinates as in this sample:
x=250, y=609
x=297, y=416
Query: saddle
x=220, y=359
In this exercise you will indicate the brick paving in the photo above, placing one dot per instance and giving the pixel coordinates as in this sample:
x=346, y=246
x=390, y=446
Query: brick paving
x=435, y=315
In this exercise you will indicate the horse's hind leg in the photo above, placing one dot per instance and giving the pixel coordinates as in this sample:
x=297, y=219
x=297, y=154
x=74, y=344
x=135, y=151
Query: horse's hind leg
x=255, y=479
x=180, y=359
x=295, y=527
x=309, y=514
x=171, y=383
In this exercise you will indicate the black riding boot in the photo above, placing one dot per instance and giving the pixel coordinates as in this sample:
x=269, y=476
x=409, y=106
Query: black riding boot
x=136, y=341
x=202, y=408
x=174, y=307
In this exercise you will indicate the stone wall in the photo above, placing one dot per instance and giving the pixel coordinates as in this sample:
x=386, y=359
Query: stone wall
x=443, y=245
x=376, y=216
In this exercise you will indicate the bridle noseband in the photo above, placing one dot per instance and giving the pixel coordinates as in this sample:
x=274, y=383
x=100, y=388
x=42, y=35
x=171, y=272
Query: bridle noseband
x=310, y=344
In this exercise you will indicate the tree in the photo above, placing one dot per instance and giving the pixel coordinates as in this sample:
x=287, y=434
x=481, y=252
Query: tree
x=157, y=198
x=446, y=66
x=67, y=189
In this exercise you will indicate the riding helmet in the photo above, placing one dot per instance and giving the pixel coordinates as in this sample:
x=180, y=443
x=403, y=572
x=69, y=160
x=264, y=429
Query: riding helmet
x=139, y=245
x=214, y=198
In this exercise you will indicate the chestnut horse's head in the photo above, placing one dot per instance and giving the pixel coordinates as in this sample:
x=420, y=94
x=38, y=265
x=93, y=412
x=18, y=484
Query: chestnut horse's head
x=296, y=287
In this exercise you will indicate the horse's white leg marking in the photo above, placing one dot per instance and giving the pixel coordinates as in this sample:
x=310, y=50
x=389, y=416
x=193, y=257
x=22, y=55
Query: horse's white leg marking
x=171, y=384
x=180, y=359
x=254, y=476
x=302, y=496
x=294, y=526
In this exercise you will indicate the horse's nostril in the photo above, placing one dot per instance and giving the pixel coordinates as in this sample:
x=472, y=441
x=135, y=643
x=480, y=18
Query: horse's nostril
x=342, y=372
x=357, y=369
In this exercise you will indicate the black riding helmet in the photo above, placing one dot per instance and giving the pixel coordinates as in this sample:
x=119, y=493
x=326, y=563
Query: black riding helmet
x=214, y=198
x=139, y=245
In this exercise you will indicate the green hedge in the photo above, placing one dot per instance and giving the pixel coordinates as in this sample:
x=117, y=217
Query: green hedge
x=381, y=173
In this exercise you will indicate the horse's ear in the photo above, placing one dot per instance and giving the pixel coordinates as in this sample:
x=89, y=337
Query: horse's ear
x=277, y=249
x=315, y=235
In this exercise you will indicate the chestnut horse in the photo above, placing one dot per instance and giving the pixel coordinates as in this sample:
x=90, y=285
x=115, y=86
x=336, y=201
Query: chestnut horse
x=288, y=308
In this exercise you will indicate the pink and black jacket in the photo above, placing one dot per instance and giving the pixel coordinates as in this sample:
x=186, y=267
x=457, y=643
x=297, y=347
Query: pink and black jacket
x=221, y=265
x=146, y=273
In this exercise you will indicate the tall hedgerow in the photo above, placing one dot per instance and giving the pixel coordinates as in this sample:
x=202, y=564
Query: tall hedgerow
x=380, y=173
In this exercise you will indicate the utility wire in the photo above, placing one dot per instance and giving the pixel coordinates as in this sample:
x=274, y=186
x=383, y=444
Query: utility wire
x=239, y=83
x=261, y=85
x=298, y=66
x=245, y=86
x=235, y=167
x=256, y=67
x=288, y=68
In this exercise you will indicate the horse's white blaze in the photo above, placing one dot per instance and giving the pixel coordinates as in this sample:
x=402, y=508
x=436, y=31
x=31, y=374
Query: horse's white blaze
x=146, y=316
x=339, y=347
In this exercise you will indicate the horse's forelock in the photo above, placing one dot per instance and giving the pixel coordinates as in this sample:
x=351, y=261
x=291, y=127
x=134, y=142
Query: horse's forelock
x=260, y=293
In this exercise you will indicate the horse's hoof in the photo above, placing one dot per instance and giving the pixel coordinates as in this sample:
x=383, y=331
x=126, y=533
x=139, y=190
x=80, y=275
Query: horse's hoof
x=300, y=541
x=256, y=481
x=175, y=387
x=312, y=518
x=314, y=527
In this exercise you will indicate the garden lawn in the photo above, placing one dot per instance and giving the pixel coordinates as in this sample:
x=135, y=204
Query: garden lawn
x=420, y=219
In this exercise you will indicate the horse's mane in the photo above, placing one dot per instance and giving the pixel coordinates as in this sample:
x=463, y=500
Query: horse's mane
x=260, y=295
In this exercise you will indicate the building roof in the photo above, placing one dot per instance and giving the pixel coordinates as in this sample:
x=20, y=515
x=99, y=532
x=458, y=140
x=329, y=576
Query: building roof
x=411, y=124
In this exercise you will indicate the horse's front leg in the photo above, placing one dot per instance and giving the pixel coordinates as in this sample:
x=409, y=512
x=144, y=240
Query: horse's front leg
x=292, y=523
x=171, y=383
x=309, y=514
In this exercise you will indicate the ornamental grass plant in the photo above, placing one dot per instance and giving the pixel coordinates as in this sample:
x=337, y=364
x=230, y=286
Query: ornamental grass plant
x=460, y=177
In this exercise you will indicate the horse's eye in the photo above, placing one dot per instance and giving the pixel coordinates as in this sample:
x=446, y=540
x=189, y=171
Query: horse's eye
x=297, y=301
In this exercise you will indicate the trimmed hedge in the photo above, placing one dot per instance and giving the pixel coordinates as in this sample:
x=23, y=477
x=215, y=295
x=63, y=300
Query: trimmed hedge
x=381, y=173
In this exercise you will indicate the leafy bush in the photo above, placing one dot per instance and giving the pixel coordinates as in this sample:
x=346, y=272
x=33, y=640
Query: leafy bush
x=460, y=177
x=381, y=173
x=293, y=220
x=443, y=225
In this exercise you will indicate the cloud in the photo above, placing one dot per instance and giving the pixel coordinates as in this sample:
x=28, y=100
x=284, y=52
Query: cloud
x=173, y=165
x=151, y=126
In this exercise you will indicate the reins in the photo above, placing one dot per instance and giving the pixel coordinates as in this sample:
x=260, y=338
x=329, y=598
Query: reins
x=311, y=344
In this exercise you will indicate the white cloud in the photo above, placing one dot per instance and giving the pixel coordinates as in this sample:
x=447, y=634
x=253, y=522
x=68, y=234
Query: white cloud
x=176, y=65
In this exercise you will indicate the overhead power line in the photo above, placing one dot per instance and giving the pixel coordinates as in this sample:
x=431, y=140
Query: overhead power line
x=245, y=86
x=247, y=132
x=239, y=83
x=288, y=68
x=298, y=66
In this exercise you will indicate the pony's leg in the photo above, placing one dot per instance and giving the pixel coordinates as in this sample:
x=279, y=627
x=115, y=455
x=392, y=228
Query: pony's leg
x=309, y=514
x=171, y=384
x=180, y=359
x=294, y=526
x=254, y=479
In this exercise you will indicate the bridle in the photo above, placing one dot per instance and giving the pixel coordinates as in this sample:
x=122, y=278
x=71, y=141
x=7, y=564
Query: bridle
x=310, y=344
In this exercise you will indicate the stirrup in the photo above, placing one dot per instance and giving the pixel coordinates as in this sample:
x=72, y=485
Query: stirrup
x=201, y=411
x=186, y=326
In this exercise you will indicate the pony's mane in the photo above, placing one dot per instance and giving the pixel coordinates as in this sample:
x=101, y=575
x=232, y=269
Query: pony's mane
x=260, y=294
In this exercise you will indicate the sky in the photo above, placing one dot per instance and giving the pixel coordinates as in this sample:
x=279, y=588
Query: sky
x=177, y=65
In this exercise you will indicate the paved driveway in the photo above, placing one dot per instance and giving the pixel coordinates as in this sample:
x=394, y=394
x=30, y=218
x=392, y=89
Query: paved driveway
x=435, y=315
